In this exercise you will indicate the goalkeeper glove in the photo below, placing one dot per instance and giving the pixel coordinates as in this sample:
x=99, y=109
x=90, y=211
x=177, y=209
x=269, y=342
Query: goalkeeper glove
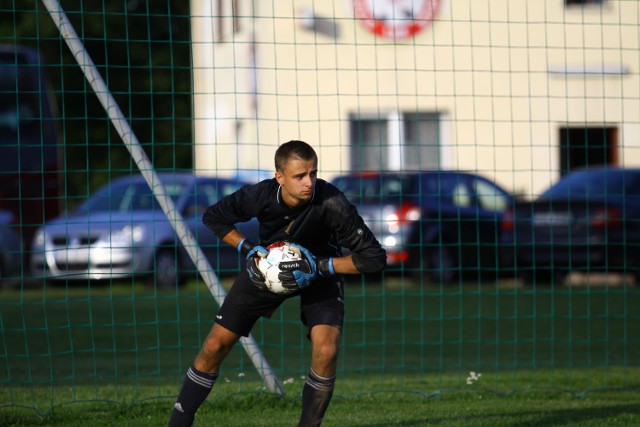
x=255, y=275
x=302, y=274
x=247, y=248
x=325, y=267
x=251, y=252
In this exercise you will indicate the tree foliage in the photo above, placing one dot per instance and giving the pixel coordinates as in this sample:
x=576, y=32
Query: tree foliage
x=142, y=50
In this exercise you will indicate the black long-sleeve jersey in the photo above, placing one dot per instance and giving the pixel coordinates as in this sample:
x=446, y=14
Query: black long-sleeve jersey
x=324, y=225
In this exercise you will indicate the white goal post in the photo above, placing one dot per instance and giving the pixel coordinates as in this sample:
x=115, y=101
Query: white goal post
x=146, y=168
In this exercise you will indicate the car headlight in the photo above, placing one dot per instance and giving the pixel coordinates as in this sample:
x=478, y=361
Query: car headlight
x=390, y=241
x=39, y=238
x=127, y=235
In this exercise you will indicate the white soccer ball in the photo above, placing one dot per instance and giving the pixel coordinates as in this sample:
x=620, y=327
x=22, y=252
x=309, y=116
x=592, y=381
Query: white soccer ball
x=269, y=266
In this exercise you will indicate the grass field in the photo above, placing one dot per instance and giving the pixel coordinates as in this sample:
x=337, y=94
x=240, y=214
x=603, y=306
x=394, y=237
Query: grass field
x=476, y=407
x=115, y=355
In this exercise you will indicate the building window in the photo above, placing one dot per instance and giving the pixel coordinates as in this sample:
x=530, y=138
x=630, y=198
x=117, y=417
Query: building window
x=368, y=143
x=397, y=141
x=587, y=146
x=582, y=2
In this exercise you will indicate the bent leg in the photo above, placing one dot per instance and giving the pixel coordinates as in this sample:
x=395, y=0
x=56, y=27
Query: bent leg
x=215, y=348
x=202, y=375
x=318, y=388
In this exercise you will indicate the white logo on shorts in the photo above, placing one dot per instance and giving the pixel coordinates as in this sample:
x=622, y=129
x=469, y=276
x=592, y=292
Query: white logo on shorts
x=178, y=406
x=219, y=317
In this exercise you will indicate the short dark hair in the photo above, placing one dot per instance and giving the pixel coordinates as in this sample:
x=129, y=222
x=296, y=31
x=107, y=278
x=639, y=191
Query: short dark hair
x=294, y=149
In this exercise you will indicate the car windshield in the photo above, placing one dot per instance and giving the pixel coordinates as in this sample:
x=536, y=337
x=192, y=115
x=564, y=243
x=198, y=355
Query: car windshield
x=587, y=184
x=127, y=196
x=370, y=187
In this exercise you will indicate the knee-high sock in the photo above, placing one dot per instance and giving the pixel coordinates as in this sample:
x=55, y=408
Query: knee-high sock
x=316, y=396
x=195, y=389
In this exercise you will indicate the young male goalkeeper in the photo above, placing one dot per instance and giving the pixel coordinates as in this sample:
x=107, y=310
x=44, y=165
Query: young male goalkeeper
x=297, y=207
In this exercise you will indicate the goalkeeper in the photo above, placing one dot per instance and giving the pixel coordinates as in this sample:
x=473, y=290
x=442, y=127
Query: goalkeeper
x=298, y=207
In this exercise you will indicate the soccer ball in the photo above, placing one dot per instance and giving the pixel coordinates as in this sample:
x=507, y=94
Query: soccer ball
x=269, y=265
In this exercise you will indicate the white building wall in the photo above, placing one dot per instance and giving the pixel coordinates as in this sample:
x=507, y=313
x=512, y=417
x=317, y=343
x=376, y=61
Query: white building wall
x=505, y=75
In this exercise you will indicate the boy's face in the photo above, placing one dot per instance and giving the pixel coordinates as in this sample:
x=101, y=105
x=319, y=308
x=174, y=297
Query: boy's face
x=298, y=181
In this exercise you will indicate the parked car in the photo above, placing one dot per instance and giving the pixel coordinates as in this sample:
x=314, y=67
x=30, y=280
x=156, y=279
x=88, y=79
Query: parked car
x=10, y=248
x=30, y=143
x=121, y=231
x=437, y=224
x=589, y=221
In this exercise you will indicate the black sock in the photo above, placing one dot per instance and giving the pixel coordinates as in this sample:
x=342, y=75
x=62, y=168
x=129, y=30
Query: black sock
x=195, y=389
x=316, y=396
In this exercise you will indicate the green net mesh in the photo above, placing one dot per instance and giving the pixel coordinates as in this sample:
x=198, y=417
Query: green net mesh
x=518, y=94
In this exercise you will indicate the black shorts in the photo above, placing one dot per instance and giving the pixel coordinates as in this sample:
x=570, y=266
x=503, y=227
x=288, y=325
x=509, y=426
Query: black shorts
x=321, y=303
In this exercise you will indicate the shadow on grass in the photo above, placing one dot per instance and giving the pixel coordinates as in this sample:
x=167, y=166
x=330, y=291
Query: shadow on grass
x=599, y=415
x=577, y=416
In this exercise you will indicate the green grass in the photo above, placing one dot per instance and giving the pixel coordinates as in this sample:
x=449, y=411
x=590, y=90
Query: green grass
x=115, y=355
x=473, y=406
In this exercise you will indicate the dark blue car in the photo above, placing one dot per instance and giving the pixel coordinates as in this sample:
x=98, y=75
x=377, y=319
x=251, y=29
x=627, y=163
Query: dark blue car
x=589, y=221
x=436, y=224
x=10, y=248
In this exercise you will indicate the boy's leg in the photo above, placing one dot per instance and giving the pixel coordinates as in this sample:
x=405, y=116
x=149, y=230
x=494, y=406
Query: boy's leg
x=242, y=307
x=318, y=388
x=202, y=375
x=195, y=389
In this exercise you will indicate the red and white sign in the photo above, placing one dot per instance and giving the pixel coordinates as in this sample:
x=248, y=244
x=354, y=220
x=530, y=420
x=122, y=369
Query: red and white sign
x=396, y=19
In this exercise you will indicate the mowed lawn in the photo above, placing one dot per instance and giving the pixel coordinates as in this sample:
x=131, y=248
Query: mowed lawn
x=412, y=354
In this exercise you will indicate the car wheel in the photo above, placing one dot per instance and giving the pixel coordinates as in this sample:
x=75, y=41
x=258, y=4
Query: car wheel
x=635, y=272
x=441, y=265
x=167, y=274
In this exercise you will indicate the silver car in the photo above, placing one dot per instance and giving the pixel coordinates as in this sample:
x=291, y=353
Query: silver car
x=121, y=232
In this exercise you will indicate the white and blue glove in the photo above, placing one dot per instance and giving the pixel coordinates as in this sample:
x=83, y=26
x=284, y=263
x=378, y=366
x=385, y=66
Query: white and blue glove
x=251, y=252
x=301, y=274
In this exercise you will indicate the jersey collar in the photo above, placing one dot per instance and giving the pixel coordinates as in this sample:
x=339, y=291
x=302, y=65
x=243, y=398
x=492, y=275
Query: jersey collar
x=279, y=199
